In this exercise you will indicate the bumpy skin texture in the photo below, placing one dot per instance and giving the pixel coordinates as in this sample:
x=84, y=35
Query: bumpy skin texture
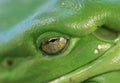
x=88, y=57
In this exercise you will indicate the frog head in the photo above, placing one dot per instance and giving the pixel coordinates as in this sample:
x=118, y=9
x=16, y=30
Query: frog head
x=59, y=41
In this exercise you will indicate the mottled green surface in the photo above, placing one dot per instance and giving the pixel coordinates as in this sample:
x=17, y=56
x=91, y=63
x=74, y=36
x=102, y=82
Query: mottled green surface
x=92, y=54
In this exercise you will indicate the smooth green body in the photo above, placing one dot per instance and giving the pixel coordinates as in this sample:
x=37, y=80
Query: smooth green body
x=92, y=54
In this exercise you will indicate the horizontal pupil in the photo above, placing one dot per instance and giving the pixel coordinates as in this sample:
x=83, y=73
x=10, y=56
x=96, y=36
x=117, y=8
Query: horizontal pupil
x=53, y=45
x=53, y=40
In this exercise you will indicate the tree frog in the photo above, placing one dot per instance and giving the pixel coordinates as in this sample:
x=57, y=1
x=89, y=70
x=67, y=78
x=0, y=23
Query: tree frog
x=59, y=41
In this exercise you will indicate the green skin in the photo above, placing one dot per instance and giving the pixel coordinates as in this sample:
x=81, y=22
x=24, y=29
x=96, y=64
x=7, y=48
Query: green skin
x=88, y=56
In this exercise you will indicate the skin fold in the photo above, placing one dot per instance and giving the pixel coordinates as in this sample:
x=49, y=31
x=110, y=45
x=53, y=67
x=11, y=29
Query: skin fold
x=92, y=53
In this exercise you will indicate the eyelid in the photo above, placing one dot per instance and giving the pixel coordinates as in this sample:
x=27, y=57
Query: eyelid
x=69, y=47
x=47, y=35
x=105, y=34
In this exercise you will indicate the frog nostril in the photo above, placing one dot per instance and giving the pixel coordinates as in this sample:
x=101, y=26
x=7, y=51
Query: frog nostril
x=8, y=63
x=89, y=82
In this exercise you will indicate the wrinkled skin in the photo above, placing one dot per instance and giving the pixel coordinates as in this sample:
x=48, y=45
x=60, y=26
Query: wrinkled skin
x=88, y=57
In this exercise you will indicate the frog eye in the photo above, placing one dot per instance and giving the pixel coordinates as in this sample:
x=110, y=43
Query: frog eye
x=53, y=45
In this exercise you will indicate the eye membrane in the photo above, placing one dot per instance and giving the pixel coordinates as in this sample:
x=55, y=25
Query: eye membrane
x=53, y=45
